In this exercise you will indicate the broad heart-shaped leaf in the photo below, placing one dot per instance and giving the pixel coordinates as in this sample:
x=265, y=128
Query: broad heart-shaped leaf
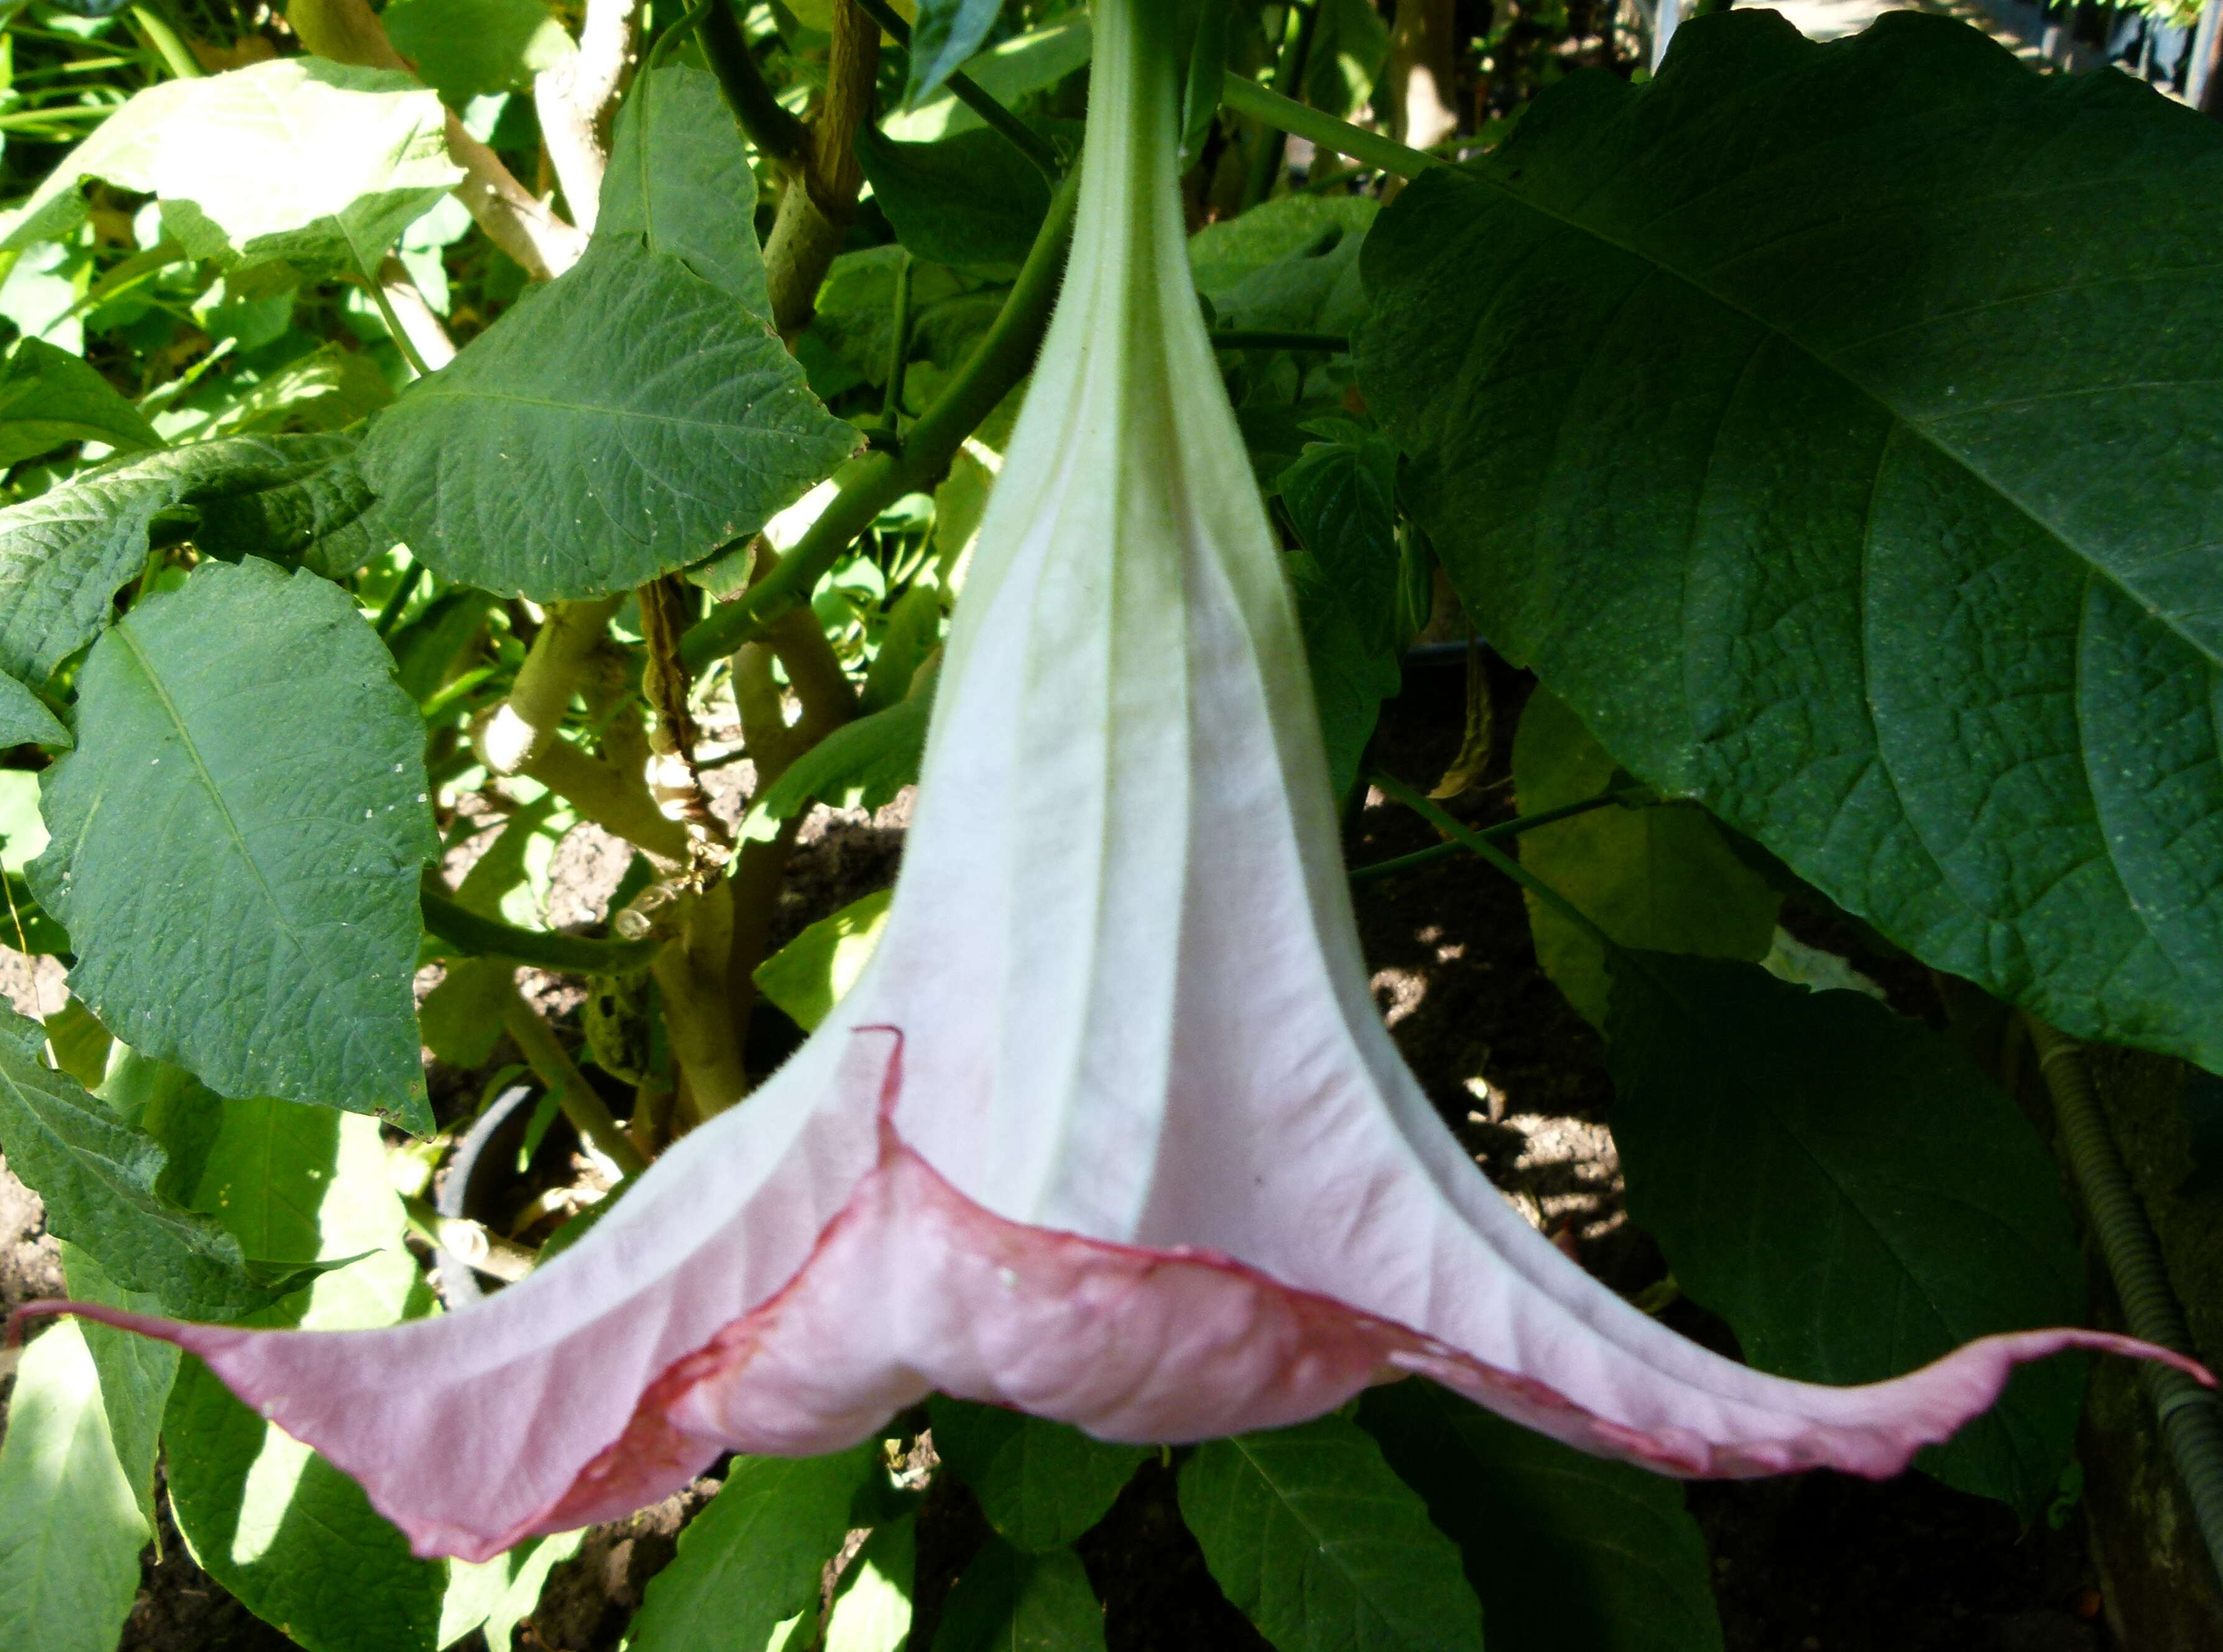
x=1724, y=413
x=298, y=158
x=236, y=842
x=1846, y=1188
x=472, y=48
x=65, y=552
x=97, y=1176
x=860, y=765
x=1006, y=1601
x=25, y=719
x=292, y=1537
x=948, y=32
x=1041, y=1484
x=1342, y=498
x=1293, y=263
x=1569, y=1552
x=753, y=1559
x=638, y=413
x=1323, y=1547
x=973, y=200
x=871, y=1610
x=48, y=396
x=135, y=1373
x=1663, y=879
x=70, y=1530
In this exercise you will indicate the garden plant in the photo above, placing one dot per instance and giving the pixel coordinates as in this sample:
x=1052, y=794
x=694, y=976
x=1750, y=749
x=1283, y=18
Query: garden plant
x=445, y=434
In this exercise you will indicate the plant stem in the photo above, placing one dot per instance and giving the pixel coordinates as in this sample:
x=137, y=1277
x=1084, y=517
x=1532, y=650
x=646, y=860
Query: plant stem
x=394, y=329
x=777, y=132
x=969, y=92
x=390, y=612
x=2191, y=1419
x=1627, y=796
x=1466, y=835
x=1288, y=79
x=164, y=39
x=580, y=1103
x=470, y=1242
x=475, y=936
x=898, y=346
x=1006, y=356
x=1247, y=97
x=812, y=223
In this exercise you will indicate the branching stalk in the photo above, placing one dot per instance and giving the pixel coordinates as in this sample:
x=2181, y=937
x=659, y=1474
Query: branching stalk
x=1627, y=796
x=580, y=1103
x=1247, y=97
x=777, y=132
x=813, y=220
x=1005, y=357
x=970, y=92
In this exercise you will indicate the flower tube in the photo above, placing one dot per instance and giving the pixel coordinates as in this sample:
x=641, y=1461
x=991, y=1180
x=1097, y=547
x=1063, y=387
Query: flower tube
x=1110, y=1130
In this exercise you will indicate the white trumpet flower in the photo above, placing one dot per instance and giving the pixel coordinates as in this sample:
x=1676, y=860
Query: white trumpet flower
x=1109, y=1131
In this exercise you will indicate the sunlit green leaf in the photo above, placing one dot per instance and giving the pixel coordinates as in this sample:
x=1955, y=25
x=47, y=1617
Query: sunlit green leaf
x=1041, y=1484
x=806, y=978
x=48, y=396
x=468, y=48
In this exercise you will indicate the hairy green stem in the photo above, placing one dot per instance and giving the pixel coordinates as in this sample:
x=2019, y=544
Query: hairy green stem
x=2190, y=1416
x=1627, y=796
x=969, y=92
x=475, y=936
x=1466, y=835
x=580, y=1103
x=898, y=346
x=1006, y=356
x=1262, y=104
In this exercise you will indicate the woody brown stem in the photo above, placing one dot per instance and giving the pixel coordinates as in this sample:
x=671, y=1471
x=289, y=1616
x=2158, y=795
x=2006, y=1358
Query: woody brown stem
x=813, y=220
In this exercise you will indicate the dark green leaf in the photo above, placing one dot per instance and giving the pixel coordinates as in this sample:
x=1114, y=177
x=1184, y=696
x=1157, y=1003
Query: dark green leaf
x=973, y=200
x=635, y=415
x=754, y=1558
x=1569, y=1553
x=945, y=34
x=236, y=842
x=474, y=48
x=25, y=719
x=313, y=508
x=65, y=552
x=1308, y=1531
x=1342, y=500
x=70, y=1531
x=97, y=1176
x=1724, y=415
x=1663, y=878
x=1846, y=1190
x=1349, y=43
x=24, y=924
x=1292, y=264
x=48, y=396
x=914, y=632
x=1010, y=1602
x=1041, y=1484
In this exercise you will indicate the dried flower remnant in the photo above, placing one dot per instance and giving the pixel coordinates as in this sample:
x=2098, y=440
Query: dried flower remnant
x=1110, y=1130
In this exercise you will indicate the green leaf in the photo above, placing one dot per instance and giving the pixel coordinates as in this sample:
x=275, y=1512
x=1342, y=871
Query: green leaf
x=25, y=719
x=1846, y=1188
x=860, y=765
x=79, y=1043
x=236, y=842
x=1663, y=879
x=70, y=1531
x=65, y=552
x=292, y=1537
x=1006, y=1601
x=1723, y=414
x=97, y=1176
x=808, y=977
x=1008, y=72
x=1308, y=1531
x=494, y=1596
x=754, y=1558
x=474, y=48
x=1041, y=1484
x=460, y=1018
x=873, y=1604
x=24, y=924
x=1569, y=1553
x=1291, y=265
x=311, y=506
x=135, y=1373
x=945, y=34
x=1348, y=575
x=48, y=396
x=301, y=160
x=914, y=632
x=1349, y=44
x=973, y=201
x=635, y=415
